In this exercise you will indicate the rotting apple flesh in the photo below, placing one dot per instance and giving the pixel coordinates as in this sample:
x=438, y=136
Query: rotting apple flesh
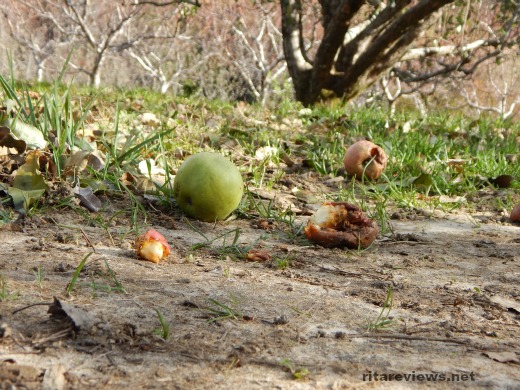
x=152, y=246
x=343, y=225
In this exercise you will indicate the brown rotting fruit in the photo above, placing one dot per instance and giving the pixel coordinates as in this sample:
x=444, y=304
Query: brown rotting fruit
x=365, y=159
x=343, y=225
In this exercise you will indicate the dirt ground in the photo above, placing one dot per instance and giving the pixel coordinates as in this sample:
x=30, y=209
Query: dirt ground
x=308, y=318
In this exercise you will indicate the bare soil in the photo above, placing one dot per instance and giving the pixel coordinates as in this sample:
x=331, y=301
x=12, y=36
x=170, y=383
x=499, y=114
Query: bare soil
x=305, y=319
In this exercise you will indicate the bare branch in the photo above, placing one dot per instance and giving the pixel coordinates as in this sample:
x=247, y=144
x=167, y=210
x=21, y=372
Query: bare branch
x=167, y=3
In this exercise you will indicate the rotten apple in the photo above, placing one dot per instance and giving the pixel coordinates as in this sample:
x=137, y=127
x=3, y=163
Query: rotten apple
x=365, y=158
x=152, y=246
x=343, y=225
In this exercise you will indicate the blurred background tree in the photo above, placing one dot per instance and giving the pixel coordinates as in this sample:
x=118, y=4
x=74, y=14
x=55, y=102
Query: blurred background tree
x=419, y=54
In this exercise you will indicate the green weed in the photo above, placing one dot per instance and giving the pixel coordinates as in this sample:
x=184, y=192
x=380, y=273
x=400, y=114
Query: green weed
x=75, y=276
x=164, y=330
x=4, y=292
x=220, y=311
x=383, y=320
x=112, y=283
x=38, y=273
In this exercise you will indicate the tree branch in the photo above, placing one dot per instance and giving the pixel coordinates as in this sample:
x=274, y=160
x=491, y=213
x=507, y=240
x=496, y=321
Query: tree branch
x=167, y=3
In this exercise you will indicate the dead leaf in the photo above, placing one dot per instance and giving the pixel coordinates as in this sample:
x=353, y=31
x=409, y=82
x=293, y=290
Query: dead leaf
x=139, y=184
x=7, y=140
x=28, y=185
x=17, y=373
x=501, y=181
x=32, y=136
x=76, y=316
x=451, y=199
x=87, y=198
x=76, y=163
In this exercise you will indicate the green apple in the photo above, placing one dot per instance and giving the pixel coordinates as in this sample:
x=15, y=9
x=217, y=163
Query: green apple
x=208, y=187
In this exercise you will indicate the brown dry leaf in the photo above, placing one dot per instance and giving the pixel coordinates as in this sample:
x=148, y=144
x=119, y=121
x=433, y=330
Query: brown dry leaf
x=258, y=255
x=76, y=163
x=139, y=184
x=76, y=316
x=87, y=198
x=9, y=142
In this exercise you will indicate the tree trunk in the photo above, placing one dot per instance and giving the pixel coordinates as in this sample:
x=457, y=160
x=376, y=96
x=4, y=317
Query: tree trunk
x=352, y=54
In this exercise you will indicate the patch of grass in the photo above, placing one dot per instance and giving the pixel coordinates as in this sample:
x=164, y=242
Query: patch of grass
x=229, y=245
x=75, y=277
x=4, y=292
x=220, y=311
x=38, y=273
x=282, y=263
x=164, y=330
x=383, y=320
x=112, y=283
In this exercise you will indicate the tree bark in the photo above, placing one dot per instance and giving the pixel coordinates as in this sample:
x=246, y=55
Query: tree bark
x=351, y=56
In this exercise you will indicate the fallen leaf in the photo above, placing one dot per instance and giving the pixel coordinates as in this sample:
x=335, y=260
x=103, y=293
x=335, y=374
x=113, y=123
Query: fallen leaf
x=451, y=199
x=139, y=184
x=32, y=136
x=7, y=140
x=79, y=318
x=87, y=198
x=423, y=182
x=28, y=185
x=501, y=181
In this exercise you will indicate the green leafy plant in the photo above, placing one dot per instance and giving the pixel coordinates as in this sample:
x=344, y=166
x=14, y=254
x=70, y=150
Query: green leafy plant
x=112, y=283
x=220, y=311
x=164, y=330
x=75, y=276
x=4, y=292
x=383, y=320
x=38, y=273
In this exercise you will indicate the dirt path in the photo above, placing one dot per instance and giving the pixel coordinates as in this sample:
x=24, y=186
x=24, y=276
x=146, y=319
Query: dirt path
x=307, y=319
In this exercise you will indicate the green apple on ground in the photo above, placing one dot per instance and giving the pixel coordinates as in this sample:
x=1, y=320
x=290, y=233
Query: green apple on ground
x=208, y=187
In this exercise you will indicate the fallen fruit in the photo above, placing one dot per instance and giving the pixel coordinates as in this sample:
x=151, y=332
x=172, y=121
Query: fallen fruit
x=340, y=224
x=364, y=158
x=515, y=214
x=152, y=246
x=208, y=187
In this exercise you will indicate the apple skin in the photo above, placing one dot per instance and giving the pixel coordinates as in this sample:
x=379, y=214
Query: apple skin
x=208, y=187
x=361, y=153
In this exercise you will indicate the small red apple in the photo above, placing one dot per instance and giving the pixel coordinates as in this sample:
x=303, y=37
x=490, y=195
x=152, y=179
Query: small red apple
x=152, y=246
x=364, y=158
